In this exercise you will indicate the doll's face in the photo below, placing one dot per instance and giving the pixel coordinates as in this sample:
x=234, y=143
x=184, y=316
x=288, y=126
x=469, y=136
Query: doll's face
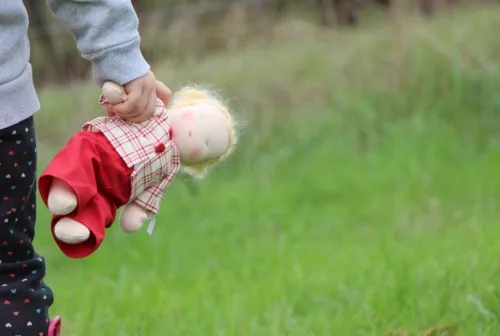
x=199, y=132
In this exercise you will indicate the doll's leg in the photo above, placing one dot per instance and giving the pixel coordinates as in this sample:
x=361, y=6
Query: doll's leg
x=61, y=199
x=91, y=168
x=86, y=166
x=70, y=231
x=24, y=298
x=69, y=180
x=95, y=217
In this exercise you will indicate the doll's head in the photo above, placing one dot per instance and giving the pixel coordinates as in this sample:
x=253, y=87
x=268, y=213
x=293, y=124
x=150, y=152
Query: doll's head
x=202, y=129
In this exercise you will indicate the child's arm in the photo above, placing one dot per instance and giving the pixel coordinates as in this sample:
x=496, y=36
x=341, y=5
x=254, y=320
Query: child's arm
x=106, y=32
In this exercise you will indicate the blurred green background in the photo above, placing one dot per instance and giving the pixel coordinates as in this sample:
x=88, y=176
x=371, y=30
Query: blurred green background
x=362, y=198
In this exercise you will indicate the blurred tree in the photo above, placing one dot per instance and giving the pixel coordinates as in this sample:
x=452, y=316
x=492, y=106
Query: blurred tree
x=345, y=11
x=39, y=28
x=428, y=6
x=180, y=29
x=53, y=52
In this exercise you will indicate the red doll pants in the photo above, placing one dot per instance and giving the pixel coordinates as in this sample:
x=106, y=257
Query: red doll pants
x=101, y=181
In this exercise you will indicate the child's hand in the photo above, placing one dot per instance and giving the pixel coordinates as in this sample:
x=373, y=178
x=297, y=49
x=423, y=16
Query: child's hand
x=141, y=99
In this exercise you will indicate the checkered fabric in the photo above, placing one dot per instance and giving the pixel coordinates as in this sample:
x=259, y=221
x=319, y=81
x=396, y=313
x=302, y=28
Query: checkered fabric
x=148, y=147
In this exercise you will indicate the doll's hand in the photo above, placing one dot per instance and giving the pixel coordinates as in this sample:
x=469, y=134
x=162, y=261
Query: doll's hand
x=133, y=217
x=142, y=94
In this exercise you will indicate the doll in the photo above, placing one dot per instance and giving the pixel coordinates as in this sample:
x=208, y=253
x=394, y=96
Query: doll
x=112, y=163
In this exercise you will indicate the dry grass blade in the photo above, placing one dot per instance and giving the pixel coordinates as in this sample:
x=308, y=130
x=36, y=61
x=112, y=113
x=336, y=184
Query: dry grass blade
x=399, y=333
x=442, y=330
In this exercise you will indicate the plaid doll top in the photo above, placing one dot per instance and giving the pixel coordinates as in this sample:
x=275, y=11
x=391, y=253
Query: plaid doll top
x=148, y=147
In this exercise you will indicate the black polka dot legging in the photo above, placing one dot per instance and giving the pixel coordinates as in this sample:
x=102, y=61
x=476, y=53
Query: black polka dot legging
x=24, y=298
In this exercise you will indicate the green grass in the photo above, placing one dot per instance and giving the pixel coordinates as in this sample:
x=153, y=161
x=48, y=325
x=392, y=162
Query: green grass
x=362, y=199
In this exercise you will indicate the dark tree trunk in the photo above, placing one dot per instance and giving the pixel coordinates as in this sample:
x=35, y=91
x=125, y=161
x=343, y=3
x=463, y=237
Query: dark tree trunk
x=345, y=11
x=40, y=30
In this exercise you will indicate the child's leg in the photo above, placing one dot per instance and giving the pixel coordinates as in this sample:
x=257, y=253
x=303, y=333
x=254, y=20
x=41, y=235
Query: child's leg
x=24, y=298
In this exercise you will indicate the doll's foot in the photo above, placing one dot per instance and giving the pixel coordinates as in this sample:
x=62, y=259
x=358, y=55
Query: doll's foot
x=61, y=200
x=132, y=217
x=71, y=231
x=55, y=327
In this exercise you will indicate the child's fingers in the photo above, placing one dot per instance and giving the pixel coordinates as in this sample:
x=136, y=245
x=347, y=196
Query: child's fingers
x=147, y=107
x=150, y=102
x=150, y=109
x=109, y=109
x=163, y=92
x=141, y=100
x=130, y=108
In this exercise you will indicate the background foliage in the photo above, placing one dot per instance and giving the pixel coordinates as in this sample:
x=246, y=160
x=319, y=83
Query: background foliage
x=363, y=196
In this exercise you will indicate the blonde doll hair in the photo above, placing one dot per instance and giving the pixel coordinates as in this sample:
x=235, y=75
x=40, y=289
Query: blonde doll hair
x=190, y=95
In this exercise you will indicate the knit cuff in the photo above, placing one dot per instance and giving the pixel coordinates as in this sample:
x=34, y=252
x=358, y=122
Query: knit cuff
x=121, y=64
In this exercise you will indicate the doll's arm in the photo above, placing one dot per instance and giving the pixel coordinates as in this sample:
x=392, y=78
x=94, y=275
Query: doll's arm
x=146, y=204
x=151, y=198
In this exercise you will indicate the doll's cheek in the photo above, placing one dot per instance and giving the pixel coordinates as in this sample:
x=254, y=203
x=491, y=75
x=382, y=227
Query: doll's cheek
x=187, y=116
x=195, y=154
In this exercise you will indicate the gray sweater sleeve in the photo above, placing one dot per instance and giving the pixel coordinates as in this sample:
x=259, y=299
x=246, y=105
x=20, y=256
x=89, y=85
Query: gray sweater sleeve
x=106, y=32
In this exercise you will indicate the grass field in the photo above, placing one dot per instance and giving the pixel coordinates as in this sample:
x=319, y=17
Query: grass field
x=362, y=200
